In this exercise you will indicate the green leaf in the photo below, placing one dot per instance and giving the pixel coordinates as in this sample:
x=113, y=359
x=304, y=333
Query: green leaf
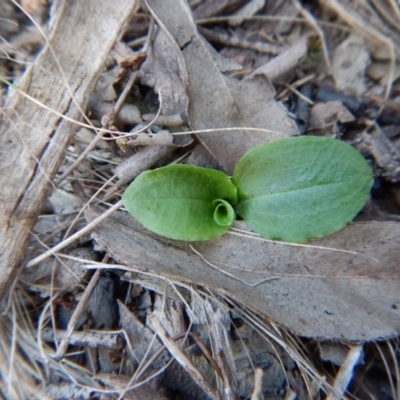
x=224, y=214
x=183, y=202
x=300, y=188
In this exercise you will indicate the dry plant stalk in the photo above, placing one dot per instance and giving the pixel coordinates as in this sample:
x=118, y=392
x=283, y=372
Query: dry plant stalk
x=32, y=138
x=181, y=358
x=257, y=392
x=346, y=373
x=62, y=348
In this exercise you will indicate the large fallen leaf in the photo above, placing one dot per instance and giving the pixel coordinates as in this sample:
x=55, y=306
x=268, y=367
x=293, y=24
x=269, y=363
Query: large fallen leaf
x=216, y=101
x=313, y=291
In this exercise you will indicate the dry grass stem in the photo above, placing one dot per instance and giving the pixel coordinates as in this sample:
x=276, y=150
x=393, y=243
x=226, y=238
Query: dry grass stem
x=257, y=391
x=62, y=348
x=181, y=358
x=345, y=374
x=74, y=237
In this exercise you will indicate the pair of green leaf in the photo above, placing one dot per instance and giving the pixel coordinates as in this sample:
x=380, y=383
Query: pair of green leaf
x=292, y=189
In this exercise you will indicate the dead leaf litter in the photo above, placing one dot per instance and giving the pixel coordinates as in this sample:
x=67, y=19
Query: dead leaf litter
x=115, y=311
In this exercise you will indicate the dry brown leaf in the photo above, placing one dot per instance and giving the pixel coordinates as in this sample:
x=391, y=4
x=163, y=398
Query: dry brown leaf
x=249, y=9
x=140, y=336
x=312, y=291
x=385, y=154
x=333, y=352
x=380, y=71
x=120, y=382
x=63, y=202
x=350, y=62
x=133, y=62
x=366, y=22
x=244, y=357
x=165, y=70
x=139, y=162
x=284, y=62
x=216, y=101
x=324, y=115
x=210, y=8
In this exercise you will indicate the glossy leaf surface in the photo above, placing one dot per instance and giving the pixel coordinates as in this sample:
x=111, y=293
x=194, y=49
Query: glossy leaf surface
x=300, y=188
x=183, y=202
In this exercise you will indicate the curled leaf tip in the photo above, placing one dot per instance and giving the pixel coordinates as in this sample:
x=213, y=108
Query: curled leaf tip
x=224, y=215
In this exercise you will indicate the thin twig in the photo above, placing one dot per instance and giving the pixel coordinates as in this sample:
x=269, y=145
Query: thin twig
x=62, y=348
x=388, y=371
x=182, y=359
x=219, y=20
x=75, y=236
x=206, y=353
x=257, y=391
x=227, y=40
x=345, y=373
x=314, y=23
x=396, y=372
x=296, y=92
x=388, y=103
x=84, y=338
